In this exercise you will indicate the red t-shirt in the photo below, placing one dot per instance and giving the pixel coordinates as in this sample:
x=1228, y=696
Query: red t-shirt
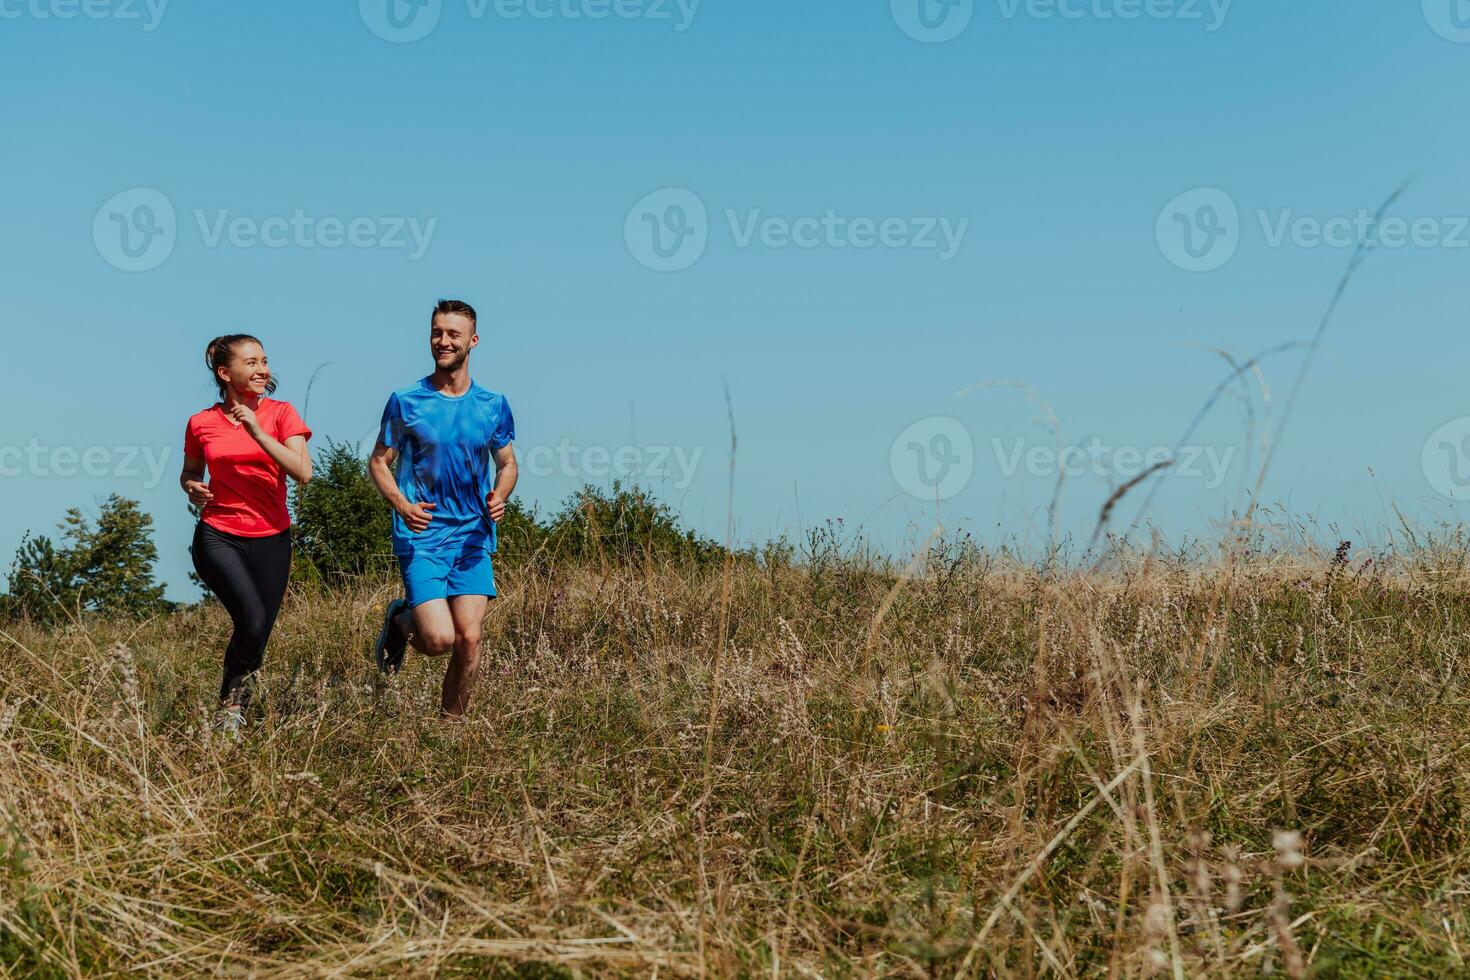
x=249, y=487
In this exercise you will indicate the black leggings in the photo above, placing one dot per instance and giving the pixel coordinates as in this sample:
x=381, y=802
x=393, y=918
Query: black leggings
x=249, y=576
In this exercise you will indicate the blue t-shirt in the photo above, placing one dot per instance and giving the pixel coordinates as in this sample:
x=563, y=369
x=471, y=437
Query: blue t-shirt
x=444, y=445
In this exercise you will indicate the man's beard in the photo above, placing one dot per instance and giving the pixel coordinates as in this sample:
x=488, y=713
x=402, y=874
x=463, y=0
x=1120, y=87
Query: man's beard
x=455, y=364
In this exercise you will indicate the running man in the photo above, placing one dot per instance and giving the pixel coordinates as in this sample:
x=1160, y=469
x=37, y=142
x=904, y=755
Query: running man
x=442, y=433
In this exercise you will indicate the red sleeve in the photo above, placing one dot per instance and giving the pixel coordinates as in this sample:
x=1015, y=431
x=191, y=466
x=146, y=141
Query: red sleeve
x=192, y=446
x=289, y=424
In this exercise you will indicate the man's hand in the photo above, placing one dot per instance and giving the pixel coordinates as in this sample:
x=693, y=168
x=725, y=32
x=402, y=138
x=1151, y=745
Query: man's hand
x=496, y=507
x=416, y=516
x=199, y=492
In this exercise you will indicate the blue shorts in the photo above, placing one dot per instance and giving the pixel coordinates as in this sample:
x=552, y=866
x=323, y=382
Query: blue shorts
x=428, y=576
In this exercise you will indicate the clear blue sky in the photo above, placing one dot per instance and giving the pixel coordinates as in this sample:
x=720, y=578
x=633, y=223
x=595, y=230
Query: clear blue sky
x=1053, y=136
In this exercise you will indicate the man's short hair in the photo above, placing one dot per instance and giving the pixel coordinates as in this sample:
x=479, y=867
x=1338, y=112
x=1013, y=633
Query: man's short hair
x=455, y=306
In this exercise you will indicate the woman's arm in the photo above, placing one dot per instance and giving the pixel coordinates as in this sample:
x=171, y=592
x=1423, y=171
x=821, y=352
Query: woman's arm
x=192, y=480
x=293, y=457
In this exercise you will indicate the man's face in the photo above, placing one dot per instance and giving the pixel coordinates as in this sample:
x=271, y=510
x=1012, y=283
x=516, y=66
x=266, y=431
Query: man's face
x=451, y=339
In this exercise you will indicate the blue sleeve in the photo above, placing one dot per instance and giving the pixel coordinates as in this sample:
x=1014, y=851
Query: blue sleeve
x=505, y=427
x=390, y=430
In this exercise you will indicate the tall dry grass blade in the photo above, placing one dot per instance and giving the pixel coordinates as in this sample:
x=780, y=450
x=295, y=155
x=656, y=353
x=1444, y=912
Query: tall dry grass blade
x=1360, y=253
x=716, y=676
x=1037, y=863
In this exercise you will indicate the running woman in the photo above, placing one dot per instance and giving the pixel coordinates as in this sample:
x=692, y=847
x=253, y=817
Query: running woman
x=442, y=433
x=249, y=443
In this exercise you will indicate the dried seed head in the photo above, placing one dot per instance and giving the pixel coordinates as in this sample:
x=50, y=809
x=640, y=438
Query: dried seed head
x=1288, y=845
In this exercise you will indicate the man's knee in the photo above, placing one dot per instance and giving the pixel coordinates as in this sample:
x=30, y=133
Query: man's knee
x=435, y=641
x=467, y=643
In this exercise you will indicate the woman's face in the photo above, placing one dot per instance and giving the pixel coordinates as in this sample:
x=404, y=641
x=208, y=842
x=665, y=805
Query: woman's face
x=248, y=371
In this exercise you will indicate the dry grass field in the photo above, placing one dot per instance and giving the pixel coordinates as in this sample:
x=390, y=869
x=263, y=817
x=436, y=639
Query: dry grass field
x=1174, y=768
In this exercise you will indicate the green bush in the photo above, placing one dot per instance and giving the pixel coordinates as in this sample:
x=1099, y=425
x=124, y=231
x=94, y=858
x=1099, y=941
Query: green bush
x=625, y=524
x=520, y=535
x=342, y=523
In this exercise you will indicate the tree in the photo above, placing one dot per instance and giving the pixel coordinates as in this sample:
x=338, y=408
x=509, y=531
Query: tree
x=42, y=586
x=343, y=524
x=106, y=567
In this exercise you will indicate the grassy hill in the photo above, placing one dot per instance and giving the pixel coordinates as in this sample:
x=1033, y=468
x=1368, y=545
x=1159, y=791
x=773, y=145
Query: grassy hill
x=984, y=769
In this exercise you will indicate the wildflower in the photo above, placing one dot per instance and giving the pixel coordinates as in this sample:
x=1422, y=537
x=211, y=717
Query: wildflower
x=1288, y=845
x=1234, y=878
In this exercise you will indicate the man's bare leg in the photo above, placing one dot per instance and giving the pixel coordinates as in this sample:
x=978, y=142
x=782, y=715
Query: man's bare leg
x=450, y=626
x=429, y=627
x=468, y=615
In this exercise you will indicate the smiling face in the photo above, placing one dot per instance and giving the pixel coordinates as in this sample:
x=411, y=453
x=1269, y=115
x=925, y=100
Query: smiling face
x=451, y=339
x=248, y=371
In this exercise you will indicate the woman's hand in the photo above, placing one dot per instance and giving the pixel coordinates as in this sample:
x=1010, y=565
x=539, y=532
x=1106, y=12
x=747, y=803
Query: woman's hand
x=199, y=492
x=246, y=417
